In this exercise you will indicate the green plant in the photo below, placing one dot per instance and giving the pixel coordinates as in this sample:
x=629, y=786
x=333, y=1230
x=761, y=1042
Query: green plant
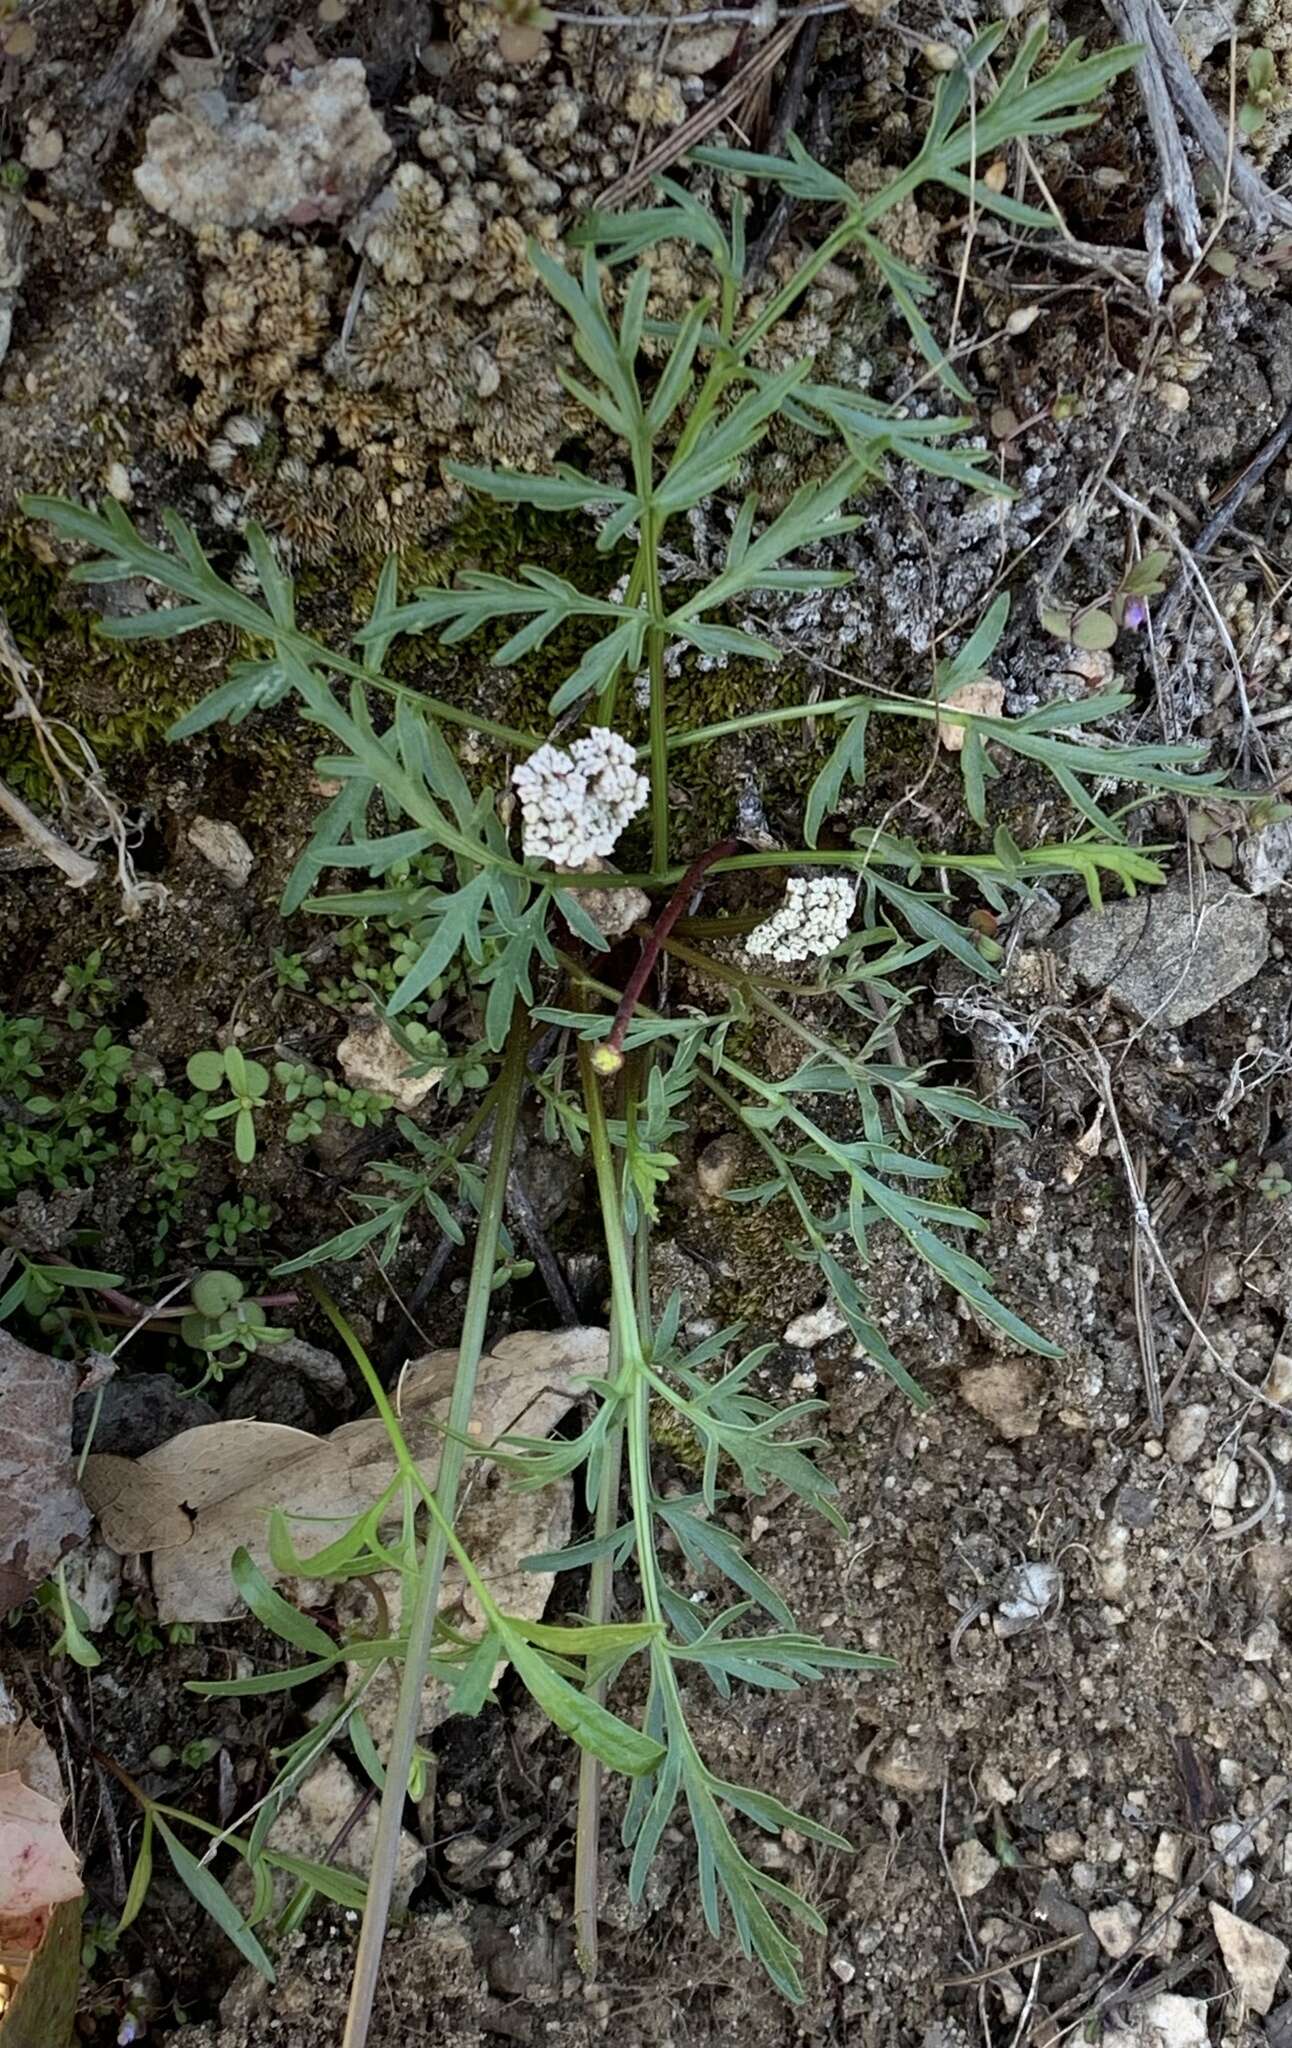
x=88, y=988
x=844, y=1137
x=290, y=971
x=37, y=1285
x=1262, y=85
x=137, y=1631
x=73, y=1639
x=248, y=1084
x=233, y=1221
x=314, y=1097
x=1095, y=625
x=225, y=1325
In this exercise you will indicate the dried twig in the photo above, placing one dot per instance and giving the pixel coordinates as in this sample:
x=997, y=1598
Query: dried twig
x=1142, y=1292
x=1262, y=205
x=705, y=118
x=521, y=1209
x=132, y=64
x=1132, y=21
x=47, y=843
x=787, y=113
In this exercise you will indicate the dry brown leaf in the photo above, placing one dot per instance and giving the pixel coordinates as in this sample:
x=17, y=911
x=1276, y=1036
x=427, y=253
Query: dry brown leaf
x=205, y=1465
x=134, y=1511
x=37, y=1867
x=42, y=1513
x=527, y=1383
x=148, y=1503
x=24, y=1749
x=985, y=697
x=39, y=1878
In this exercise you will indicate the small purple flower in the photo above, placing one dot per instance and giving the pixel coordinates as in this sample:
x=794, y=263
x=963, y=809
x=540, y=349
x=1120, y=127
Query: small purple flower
x=1135, y=614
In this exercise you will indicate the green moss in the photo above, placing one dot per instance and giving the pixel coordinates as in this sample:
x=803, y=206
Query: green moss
x=120, y=697
x=671, y=1433
x=965, y=1154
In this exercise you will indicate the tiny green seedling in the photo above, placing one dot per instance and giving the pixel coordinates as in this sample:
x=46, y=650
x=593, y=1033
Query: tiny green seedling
x=248, y=1085
x=225, y=1325
x=1095, y=626
x=1262, y=87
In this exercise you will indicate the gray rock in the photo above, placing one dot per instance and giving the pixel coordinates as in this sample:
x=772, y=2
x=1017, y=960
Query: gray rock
x=294, y=1383
x=138, y=1413
x=1266, y=858
x=1170, y=954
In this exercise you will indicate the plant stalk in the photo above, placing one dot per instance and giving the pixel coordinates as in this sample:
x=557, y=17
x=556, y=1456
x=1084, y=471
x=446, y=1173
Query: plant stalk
x=421, y=1627
x=609, y=1055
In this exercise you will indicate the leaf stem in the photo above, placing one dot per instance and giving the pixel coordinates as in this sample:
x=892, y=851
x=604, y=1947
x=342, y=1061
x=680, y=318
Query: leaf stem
x=421, y=1627
x=587, y=1842
x=609, y=1055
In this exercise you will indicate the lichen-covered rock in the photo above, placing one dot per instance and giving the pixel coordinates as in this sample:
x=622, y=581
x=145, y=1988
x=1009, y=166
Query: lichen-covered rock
x=1171, y=954
x=304, y=150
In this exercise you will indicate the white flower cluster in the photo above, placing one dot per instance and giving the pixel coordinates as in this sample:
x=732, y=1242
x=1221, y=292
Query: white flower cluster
x=575, y=804
x=812, y=920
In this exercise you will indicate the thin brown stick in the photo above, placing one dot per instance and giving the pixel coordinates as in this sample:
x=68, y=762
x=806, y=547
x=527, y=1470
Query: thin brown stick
x=608, y=1057
x=676, y=145
x=78, y=870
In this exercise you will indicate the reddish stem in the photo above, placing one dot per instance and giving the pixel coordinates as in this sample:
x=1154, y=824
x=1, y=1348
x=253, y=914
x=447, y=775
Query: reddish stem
x=127, y=1304
x=608, y=1057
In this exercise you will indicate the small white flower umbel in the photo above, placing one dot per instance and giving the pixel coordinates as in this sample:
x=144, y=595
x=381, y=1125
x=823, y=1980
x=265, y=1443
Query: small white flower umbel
x=812, y=920
x=576, y=803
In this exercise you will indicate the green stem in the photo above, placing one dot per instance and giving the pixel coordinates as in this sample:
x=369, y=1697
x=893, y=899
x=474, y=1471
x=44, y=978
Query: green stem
x=850, y=228
x=587, y=1842
x=421, y=1627
x=623, y=1310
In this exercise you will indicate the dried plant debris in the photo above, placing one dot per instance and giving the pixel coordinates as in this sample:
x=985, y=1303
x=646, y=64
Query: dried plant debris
x=40, y=1892
x=192, y=1502
x=42, y=1514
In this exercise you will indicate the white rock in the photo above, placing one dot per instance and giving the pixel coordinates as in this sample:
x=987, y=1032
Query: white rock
x=1064, y=1845
x=1009, y=1396
x=224, y=847
x=303, y=150
x=994, y=1785
x=844, y=1970
x=1164, y=2021
x=972, y=1868
x=1277, y=1385
x=816, y=1327
x=1254, y=1959
x=1115, y=1928
x=1232, y=1839
x=310, y=1823
x=718, y=1166
x=1263, y=1642
x=93, y=1578
x=1217, y=1483
x=1187, y=1432
x=909, y=1765
x=614, y=912
x=1030, y=1590
x=1168, y=1857
x=370, y=1056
